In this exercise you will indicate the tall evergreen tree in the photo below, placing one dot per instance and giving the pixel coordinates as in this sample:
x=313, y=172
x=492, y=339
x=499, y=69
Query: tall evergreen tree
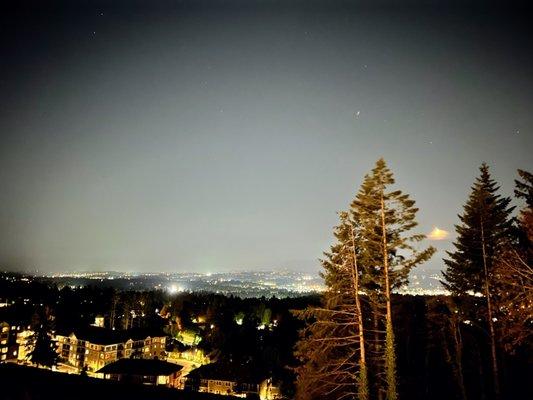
x=513, y=298
x=42, y=349
x=332, y=346
x=513, y=275
x=485, y=228
x=373, y=254
x=387, y=216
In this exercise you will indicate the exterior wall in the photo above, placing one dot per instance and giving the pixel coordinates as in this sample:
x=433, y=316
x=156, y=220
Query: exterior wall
x=99, y=321
x=71, y=350
x=96, y=356
x=171, y=380
x=175, y=380
x=194, y=355
x=4, y=341
x=22, y=342
x=154, y=348
x=246, y=388
x=13, y=341
x=220, y=387
x=133, y=349
x=268, y=391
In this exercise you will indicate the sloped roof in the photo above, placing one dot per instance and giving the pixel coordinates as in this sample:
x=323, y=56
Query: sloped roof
x=106, y=336
x=128, y=366
x=244, y=373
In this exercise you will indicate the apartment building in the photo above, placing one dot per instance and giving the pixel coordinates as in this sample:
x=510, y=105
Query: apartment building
x=94, y=347
x=14, y=341
x=234, y=380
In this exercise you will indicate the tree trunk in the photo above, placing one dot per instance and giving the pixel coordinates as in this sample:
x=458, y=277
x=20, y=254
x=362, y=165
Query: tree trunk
x=458, y=344
x=492, y=335
x=362, y=384
x=377, y=348
x=390, y=356
x=113, y=313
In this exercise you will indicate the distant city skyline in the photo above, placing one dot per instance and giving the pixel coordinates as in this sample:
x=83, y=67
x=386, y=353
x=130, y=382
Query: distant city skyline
x=242, y=284
x=209, y=136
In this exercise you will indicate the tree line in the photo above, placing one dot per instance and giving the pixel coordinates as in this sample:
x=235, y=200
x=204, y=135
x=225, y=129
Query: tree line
x=348, y=349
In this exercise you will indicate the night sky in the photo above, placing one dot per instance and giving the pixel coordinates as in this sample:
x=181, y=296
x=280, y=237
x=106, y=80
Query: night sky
x=222, y=135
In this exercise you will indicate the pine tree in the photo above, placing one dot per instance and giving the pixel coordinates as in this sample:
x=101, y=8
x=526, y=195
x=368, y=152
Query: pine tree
x=524, y=190
x=373, y=254
x=513, y=298
x=332, y=346
x=390, y=252
x=485, y=228
x=513, y=275
x=42, y=349
x=363, y=391
x=524, y=187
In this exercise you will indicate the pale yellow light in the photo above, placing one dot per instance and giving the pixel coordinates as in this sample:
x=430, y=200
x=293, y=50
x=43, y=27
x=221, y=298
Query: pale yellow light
x=438, y=234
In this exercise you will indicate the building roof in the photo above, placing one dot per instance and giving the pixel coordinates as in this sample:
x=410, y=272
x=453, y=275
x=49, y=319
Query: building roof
x=129, y=366
x=233, y=372
x=106, y=336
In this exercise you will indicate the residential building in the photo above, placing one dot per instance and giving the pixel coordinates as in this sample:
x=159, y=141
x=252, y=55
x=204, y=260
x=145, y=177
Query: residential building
x=147, y=372
x=5, y=339
x=234, y=380
x=24, y=335
x=192, y=354
x=13, y=341
x=95, y=347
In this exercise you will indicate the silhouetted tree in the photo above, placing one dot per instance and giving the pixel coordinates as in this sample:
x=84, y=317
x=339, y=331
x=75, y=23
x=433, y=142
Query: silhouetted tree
x=445, y=335
x=513, y=275
x=524, y=187
x=42, y=347
x=374, y=253
x=332, y=345
x=485, y=228
x=389, y=251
